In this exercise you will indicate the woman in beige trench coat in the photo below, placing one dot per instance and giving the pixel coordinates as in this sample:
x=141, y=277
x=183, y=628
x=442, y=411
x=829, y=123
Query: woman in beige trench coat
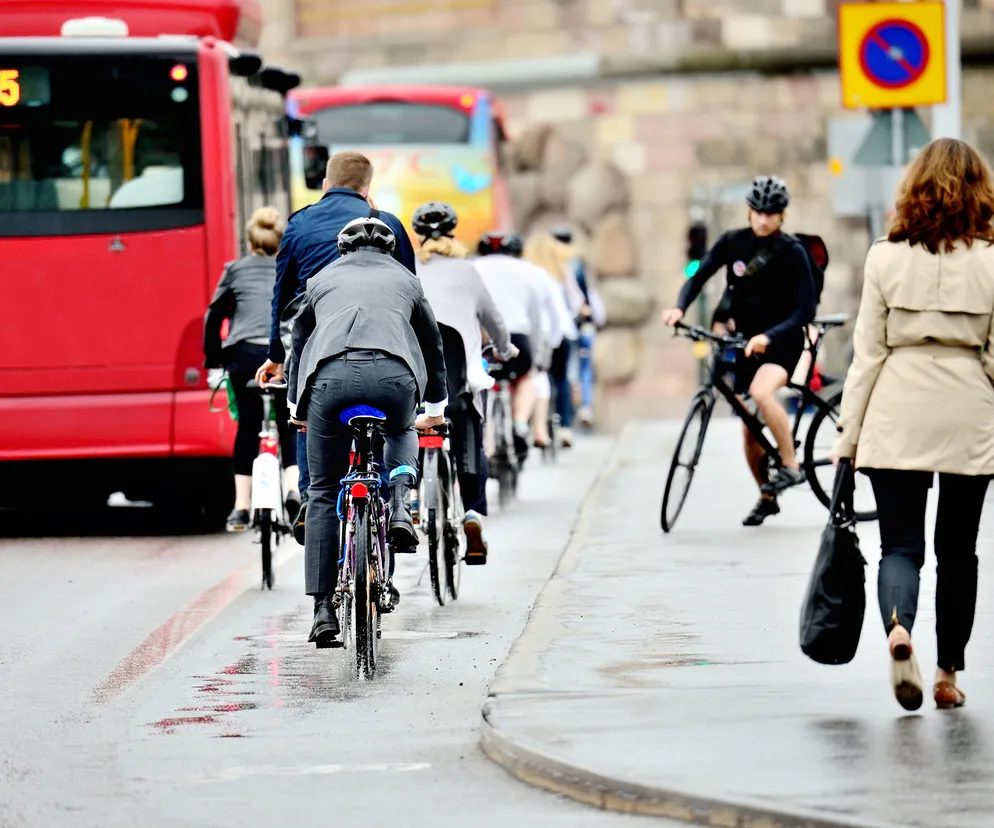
x=919, y=399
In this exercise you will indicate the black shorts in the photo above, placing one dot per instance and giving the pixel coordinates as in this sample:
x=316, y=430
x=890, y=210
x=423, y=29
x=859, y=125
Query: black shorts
x=520, y=365
x=785, y=351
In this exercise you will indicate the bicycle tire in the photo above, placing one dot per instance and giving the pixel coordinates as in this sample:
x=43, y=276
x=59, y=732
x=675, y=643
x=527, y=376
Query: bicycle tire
x=700, y=409
x=364, y=603
x=450, y=534
x=811, y=464
x=266, y=542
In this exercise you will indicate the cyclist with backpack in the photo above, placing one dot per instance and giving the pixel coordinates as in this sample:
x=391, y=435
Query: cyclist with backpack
x=771, y=295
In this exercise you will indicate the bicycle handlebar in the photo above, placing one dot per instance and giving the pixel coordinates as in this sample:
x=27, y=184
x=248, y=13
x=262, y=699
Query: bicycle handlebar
x=278, y=385
x=699, y=334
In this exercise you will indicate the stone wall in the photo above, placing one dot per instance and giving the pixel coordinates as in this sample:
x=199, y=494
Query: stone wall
x=669, y=136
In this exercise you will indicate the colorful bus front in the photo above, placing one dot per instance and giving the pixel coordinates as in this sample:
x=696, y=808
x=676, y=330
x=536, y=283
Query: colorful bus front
x=117, y=212
x=426, y=144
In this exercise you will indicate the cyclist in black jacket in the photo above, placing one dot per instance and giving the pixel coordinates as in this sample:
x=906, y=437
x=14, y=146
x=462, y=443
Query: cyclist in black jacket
x=769, y=299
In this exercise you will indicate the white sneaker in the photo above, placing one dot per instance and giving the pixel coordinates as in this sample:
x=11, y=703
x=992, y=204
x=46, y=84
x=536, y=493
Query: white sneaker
x=586, y=416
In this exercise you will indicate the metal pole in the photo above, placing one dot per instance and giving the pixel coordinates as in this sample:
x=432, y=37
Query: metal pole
x=947, y=118
x=897, y=149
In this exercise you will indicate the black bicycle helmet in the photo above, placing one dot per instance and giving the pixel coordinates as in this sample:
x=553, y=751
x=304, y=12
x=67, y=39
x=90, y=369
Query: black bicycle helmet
x=490, y=242
x=768, y=194
x=562, y=233
x=434, y=220
x=366, y=232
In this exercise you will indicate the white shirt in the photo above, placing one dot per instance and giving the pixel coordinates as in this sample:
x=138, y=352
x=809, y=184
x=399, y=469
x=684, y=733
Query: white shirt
x=516, y=291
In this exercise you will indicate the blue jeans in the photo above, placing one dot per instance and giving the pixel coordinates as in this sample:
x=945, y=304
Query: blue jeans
x=586, y=358
x=305, y=477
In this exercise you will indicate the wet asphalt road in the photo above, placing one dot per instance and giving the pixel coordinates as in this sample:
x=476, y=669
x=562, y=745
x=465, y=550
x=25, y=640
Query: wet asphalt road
x=146, y=680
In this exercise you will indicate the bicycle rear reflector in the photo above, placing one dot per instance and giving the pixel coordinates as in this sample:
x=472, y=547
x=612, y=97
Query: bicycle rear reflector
x=359, y=490
x=269, y=445
x=431, y=441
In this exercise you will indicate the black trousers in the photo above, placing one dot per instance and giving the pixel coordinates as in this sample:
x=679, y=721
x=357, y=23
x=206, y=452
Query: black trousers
x=358, y=377
x=241, y=361
x=901, y=497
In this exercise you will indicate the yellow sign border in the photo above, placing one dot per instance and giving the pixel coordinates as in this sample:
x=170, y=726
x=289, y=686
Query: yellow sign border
x=859, y=91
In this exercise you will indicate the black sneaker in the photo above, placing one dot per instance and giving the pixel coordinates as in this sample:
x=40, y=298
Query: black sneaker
x=298, y=524
x=238, y=520
x=766, y=507
x=786, y=478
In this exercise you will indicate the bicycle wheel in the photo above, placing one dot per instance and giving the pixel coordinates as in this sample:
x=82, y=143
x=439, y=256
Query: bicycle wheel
x=266, y=541
x=364, y=605
x=818, y=464
x=685, y=457
x=450, y=532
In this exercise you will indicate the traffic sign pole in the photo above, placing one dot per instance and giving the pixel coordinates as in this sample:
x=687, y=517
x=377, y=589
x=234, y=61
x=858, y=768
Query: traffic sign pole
x=947, y=118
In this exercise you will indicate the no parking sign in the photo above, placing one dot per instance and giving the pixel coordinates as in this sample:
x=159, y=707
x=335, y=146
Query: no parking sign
x=892, y=55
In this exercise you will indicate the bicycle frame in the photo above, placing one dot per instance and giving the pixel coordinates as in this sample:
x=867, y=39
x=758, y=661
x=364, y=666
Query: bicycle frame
x=715, y=381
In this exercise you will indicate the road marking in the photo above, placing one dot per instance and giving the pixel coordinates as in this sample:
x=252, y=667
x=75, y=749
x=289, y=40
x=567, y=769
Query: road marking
x=236, y=773
x=165, y=639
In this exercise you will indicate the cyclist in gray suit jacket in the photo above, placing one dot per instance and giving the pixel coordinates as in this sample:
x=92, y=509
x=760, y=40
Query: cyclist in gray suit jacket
x=364, y=334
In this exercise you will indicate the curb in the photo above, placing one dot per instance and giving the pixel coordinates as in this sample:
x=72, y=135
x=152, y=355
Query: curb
x=530, y=765
x=517, y=676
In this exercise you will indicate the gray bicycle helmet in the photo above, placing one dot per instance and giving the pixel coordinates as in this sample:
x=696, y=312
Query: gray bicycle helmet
x=768, y=194
x=434, y=220
x=367, y=232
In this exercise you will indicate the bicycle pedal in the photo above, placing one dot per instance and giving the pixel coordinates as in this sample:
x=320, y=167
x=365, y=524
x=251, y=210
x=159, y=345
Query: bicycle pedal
x=328, y=645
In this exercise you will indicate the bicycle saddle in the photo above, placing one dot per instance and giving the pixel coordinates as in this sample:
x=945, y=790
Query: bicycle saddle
x=361, y=412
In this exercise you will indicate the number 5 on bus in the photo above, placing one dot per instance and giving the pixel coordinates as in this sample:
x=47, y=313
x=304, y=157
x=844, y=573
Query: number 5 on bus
x=10, y=89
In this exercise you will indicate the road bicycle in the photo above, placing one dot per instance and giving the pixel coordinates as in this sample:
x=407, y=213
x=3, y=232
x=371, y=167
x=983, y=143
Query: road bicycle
x=721, y=352
x=439, y=514
x=364, y=592
x=504, y=463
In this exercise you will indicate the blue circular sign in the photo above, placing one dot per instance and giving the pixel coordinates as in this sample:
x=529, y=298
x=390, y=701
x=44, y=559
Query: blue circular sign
x=894, y=54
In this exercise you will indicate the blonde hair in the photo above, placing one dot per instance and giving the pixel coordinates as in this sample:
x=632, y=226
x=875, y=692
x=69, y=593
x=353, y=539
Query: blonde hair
x=264, y=231
x=546, y=251
x=445, y=246
x=350, y=169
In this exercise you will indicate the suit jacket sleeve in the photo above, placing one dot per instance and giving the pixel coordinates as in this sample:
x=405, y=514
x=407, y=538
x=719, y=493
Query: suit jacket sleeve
x=430, y=340
x=870, y=351
x=285, y=288
x=303, y=327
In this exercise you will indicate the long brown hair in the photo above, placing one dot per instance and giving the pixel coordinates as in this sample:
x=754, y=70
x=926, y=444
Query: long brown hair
x=947, y=195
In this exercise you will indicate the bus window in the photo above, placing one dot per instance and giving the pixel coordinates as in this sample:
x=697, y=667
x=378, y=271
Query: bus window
x=113, y=146
x=392, y=122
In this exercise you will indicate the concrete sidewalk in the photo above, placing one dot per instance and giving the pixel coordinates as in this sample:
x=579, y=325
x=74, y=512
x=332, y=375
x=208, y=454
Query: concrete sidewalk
x=661, y=674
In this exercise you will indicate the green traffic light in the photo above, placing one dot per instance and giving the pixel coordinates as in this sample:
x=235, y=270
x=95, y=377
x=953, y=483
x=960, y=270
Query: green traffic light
x=692, y=267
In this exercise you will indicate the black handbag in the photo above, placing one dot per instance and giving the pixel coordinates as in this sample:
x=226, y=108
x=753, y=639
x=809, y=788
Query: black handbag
x=833, y=610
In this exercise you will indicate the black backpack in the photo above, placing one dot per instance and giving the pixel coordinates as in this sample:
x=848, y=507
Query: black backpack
x=817, y=253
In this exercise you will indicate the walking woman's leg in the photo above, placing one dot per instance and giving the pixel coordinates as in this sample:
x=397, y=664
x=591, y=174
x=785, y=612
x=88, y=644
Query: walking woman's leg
x=247, y=438
x=901, y=498
x=961, y=502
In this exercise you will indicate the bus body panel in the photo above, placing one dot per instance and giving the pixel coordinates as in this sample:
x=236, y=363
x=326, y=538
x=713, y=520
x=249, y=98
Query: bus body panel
x=467, y=175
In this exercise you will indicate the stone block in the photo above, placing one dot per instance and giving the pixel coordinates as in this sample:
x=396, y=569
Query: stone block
x=614, y=252
x=804, y=8
x=524, y=189
x=630, y=157
x=617, y=355
x=526, y=152
x=594, y=191
x=747, y=31
x=628, y=302
x=721, y=153
x=642, y=98
x=541, y=14
x=599, y=13
x=561, y=159
x=672, y=156
x=613, y=129
x=554, y=105
x=660, y=189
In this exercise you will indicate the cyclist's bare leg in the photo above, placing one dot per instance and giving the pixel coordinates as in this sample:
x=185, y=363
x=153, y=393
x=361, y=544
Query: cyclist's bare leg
x=754, y=455
x=768, y=380
x=523, y=403
x=243, y=491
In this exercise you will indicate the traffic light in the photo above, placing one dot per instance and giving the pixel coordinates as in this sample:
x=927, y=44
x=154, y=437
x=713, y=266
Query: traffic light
x=697, y=246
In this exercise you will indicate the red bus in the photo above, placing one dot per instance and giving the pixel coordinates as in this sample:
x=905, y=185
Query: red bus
x=135, y=140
